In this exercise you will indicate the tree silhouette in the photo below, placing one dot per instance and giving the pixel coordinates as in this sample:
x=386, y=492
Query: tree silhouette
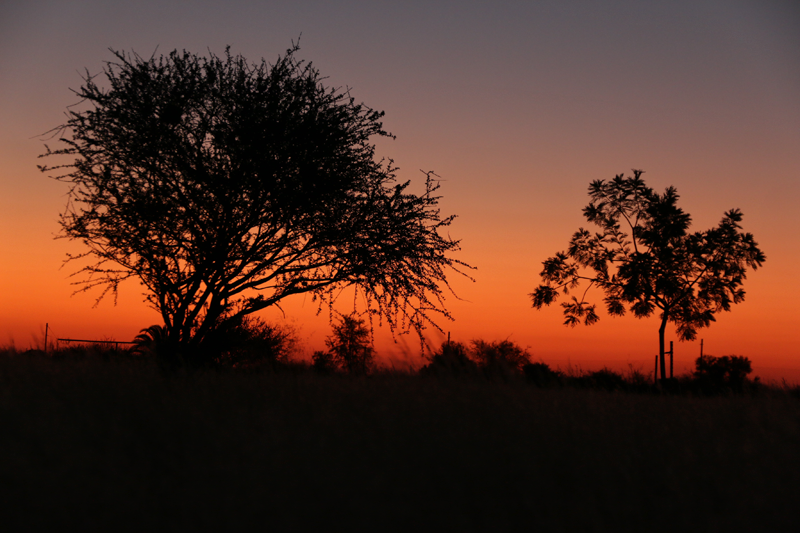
x=645, y=258
x=225, y=186
x=350, y=345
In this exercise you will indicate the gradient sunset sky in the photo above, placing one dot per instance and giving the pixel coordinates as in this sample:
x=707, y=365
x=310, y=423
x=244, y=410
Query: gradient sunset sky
x=518, y=106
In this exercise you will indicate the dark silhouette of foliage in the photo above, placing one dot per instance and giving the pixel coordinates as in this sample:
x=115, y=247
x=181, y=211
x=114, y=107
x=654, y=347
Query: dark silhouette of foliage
x=225, y=186
x=638, y=381
x=644, y=259
x=501, y=358
x=720, y=374
x=154, y=342
x=350, y=345
x=253, y=343
x=322, y=363
x=150, y=341
x=541, y=375
x=452, y=359
x=603, y=379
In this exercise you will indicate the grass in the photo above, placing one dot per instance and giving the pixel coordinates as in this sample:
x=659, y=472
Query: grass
x=115, y=442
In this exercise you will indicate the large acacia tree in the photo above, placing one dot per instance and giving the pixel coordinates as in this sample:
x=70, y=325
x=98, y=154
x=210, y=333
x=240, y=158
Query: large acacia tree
x=226, y=186
x=644, y=258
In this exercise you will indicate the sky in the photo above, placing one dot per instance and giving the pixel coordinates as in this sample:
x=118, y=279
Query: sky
x=518, y=106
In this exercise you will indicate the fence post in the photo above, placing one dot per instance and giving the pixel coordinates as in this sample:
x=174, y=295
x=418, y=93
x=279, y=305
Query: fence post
x=670, y=359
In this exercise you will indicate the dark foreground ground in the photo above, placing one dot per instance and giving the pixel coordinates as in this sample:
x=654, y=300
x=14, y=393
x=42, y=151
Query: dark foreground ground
x=119, y=445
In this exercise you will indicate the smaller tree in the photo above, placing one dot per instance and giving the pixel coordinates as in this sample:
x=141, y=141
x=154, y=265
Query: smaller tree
x=351, y=345
x=645, y=258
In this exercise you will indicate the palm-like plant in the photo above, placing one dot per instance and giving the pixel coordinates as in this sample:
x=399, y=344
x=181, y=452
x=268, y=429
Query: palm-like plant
x=150, y=341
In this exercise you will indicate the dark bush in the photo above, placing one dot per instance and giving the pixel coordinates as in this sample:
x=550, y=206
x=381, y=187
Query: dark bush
x=452, y=359
x=638, y=381
x=542, y=375
x=499, y=359
x=603, y=379
x=322, y=363
x=254, y=343
x=728, y=373
x=248, y=343
x=792, y=390
x=350, y=345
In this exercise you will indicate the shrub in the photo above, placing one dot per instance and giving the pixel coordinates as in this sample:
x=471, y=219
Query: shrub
x=254, y=343
x=502, y=359
x=542, y=375
x=604, y=379
x=249, y=343
x=322, y=362
x=350, y=345
x=721, y=374
x=638, y=381
x=499, y=358
x=452, y=359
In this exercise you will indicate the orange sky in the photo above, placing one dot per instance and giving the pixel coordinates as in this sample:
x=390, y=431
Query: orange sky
x=517, y=107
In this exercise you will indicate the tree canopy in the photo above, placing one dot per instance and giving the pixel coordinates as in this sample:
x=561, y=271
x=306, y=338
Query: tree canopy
x=226, y=186
x=645, y=259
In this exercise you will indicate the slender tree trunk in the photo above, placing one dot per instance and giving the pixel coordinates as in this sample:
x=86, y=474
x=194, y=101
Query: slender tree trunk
x=662, y=359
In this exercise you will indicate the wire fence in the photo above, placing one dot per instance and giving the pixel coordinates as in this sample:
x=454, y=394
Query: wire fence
x=87, y=341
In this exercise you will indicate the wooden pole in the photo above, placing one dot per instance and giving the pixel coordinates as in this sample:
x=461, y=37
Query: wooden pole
x=670, y=359
x=46, y=327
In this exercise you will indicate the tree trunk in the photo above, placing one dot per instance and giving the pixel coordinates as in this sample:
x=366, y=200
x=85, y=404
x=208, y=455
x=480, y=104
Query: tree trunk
x=661, y=357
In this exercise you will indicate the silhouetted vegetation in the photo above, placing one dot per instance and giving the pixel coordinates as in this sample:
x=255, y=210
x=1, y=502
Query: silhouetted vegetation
x=349, y=348
x=541, y=375
x=225, y=186
x=453, y=360
x=248, y=343
x=152, y=341
x=493, y=360
x=500, y=358
x=322, y=362
x=646, y=259
x=253, y=343
x=257, y=345
x=723, y=374
x=603, y=379
x=103, y=439
x=505, y=360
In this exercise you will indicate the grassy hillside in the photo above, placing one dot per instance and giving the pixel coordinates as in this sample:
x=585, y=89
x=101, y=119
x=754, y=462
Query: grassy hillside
x=119, y=443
